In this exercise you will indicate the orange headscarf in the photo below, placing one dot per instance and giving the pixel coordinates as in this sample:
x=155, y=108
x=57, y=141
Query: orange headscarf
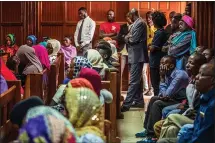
x=81, y=82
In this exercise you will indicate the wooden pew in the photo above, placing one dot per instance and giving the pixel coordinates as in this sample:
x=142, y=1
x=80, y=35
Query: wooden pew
x=7, y=100
x=17, y=83
x=56, y=76
x=36, y=84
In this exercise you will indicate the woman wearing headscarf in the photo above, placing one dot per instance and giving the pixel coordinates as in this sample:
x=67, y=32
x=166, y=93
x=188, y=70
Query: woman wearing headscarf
x=77, y=63
x=42, y=55
x=53, y=47
x=184, y=43
x=10, y=45
x=26, y=57
x=46, y=129
x=3, y=84
x=68, y=50
x=85, y=120
x=31, y=40
x=7, y=73
x=97, y=61
x=44, y=42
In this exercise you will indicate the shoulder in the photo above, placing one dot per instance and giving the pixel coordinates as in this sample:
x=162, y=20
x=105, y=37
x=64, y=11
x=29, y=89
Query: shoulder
x=181, y=74
x=90, y=20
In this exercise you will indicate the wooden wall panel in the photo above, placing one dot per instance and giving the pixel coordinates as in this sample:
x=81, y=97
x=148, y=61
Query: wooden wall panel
x=56, y=32
x=99, y=12
x=52, y=11
x=72, y=10
x=121, y=11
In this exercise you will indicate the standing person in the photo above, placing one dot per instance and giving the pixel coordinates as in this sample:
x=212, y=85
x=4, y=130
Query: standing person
x=156, y=54
x=124, y=29
x=168, y=27
x=137, y=56
x=110, y=29
x=84, y=32
x=187, y=10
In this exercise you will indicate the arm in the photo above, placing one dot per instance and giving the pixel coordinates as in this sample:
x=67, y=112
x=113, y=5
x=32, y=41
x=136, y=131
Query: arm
x=175, y=85
x=156, y=42
x=76, y=35
x=92, y=30
x=136, y=34
x=103, y=35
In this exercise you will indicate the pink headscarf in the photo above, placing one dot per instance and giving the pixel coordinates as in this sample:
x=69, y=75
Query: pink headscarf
x=188, y=20
x=93, y=77
x=42, y=55
x=69, y=53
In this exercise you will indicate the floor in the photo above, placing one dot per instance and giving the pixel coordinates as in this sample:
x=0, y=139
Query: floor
x=132, y=123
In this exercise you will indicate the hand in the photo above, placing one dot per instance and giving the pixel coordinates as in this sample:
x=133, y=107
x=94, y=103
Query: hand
x=165, y=49
x=181, y=106
x=163, y=70
x=165, y=98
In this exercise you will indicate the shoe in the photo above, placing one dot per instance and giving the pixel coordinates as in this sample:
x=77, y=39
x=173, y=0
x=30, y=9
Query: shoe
x=135, y=105
x=124, y=109
x=141, y=134
x=148, y=140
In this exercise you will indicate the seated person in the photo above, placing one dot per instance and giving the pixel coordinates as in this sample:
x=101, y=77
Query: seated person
x=105, y=51
x=7, y=73
x=53, y=47
x=114, y=56
x=31, y=40
x=68, y=50
x=97, y=61
x=192, y=68
x=172, y=91
x=200, y=49
x=44, y=42
x=3, y=84
x=209, y=54
x=10, y=45
x=42, y=55
x=77, y=63
x=203, y=128
x=26, y=57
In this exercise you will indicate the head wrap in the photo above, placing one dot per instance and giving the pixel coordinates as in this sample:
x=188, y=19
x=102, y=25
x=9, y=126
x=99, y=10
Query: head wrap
x=188, y=20
x=42, y=54
x=55, y=45
x=93, y=77
x=30, y=55
x=46, y=129
x=81, y=82
x=80, y=62
x=32, y=38
x=83, y=106
x=95, y=58
x=20, y=109
x=12, y=38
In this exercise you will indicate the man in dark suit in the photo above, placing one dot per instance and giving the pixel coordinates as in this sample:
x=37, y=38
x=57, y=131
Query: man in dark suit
x=137, y=56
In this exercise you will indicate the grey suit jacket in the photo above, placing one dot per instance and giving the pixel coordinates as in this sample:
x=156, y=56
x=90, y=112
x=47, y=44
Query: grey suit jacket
x=137, y=43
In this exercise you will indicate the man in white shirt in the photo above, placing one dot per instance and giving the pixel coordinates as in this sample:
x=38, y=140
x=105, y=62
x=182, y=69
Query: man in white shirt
x=84, y=32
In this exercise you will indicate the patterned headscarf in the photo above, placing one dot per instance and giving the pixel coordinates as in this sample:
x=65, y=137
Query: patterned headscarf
x=32, y=38
x=12, y=38
x=83, y=106
x=80, y=62
x=46, y=129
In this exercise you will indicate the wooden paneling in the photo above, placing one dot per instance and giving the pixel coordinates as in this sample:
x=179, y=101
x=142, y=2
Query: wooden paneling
x=100, y=11
x=72, y=10
x=121, y=11
x=56, y=32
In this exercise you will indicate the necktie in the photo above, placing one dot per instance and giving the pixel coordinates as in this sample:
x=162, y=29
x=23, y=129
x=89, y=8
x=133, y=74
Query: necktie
x=80, y=31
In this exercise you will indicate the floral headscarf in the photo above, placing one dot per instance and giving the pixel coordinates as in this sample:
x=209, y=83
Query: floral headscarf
x=80, y=62
x=46, y=129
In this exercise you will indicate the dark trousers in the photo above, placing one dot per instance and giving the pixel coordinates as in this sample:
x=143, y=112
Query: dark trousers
x=155, y=79
x=154, y=113
x=135, y=89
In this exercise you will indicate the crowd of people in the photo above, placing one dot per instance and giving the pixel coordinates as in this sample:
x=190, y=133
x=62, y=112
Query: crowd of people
x=182, y=79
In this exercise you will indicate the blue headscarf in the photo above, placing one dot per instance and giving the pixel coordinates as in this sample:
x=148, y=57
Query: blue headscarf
x=32, y=38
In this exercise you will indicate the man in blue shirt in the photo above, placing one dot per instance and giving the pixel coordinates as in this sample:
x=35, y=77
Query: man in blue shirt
x=172, y=90
x=203, y=129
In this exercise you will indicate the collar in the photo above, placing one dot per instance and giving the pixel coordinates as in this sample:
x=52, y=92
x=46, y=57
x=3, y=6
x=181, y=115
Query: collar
x=207, y=96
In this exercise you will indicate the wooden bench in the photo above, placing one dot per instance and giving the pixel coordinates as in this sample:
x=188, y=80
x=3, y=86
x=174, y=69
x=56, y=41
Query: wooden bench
x=56, y=76
x=36, y=84
x=7, y=100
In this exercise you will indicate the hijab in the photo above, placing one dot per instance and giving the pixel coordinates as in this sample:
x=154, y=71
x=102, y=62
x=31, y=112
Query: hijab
x=33, y=61
x=21, y=108
x=7, y=74
x=95, y=58
x=46, y=129
x=42, y=54
x=56, y=48
x=3, y=84
x=93, y=77
x=79, y=63
x=69, y=53
x=33, y=39
x=84, y=109
x=12, y=38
